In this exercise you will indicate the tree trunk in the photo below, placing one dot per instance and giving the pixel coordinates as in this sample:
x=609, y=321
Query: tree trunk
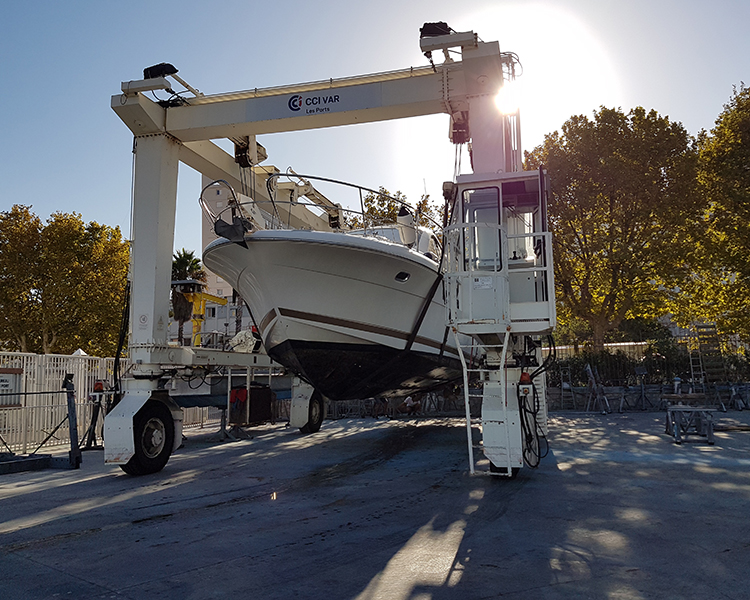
x=598, y=330
x=182, y=309
x=47, y=344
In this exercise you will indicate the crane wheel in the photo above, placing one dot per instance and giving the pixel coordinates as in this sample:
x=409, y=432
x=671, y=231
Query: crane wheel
x=153, y=432
x=316, y=414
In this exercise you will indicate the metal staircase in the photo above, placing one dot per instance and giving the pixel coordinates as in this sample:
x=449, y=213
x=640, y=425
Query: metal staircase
x=499, y=424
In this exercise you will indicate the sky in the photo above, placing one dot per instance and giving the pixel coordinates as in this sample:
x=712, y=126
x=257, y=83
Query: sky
x=64, y=149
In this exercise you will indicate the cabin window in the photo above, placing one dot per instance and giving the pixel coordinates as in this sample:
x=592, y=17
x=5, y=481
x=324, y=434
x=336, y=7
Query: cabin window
x=482, y=239
x=521, y=219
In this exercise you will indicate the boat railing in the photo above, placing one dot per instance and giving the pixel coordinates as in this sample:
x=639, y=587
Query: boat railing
x=234, y=206
x=361, y=218
x=268, y=214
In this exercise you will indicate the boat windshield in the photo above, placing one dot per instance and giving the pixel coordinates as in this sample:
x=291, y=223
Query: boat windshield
x=427, y=242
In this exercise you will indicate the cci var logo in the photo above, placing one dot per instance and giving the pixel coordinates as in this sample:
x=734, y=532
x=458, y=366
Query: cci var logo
x=313, y=104
x=295, y=102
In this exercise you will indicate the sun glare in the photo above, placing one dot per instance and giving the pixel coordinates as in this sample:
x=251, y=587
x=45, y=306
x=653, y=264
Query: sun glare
x=565, y=71
x=566, y=67
x=508, y=99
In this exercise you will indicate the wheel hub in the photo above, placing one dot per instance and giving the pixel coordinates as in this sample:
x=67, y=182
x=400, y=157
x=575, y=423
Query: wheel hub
x=154, y=437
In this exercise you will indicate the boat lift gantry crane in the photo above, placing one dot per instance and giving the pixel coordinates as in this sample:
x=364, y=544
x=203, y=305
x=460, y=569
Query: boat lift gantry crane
x=145, y=426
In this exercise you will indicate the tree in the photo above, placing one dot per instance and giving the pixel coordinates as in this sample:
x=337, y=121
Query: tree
x=725, y=175
x=102, y=284
x=623, y=208
x=185, y=266
x=430, y=215
x=20, y=241
x=720, y=288
x=62, y=283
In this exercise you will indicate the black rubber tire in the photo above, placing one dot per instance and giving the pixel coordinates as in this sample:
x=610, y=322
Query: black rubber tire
x=316, y=414
x=153, y=433
x=513, y=471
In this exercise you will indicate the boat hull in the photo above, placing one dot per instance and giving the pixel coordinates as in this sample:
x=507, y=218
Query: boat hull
x=343, y=312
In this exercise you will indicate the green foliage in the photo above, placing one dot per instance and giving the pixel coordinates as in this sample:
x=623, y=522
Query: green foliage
x=185, y=265
x=63, y=283
x=20, y=242
x=570, y=330
x=379, y=209
x=639, y=330
x=430, y=215
x=737, y=366
x=624, y=201
x=719, y=287
x=724, y=172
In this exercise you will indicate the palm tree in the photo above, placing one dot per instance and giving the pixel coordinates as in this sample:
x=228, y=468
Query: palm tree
x=185, y=266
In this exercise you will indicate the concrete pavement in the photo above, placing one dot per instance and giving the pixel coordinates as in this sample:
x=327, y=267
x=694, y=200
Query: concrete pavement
x=386, y=509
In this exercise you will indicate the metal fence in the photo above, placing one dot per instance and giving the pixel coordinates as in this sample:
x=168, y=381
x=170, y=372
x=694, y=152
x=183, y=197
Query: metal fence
x=201, y=416
x=650, y=369
x=32, y=374
x=25, y=427
x=33, y=404
x=658, y=362
x=631, y=349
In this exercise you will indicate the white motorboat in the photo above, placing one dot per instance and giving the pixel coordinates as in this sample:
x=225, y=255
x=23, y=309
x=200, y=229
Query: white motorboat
x=353, y=313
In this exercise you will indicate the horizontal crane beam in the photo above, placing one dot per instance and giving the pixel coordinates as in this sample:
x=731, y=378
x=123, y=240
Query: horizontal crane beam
x=292, y=109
